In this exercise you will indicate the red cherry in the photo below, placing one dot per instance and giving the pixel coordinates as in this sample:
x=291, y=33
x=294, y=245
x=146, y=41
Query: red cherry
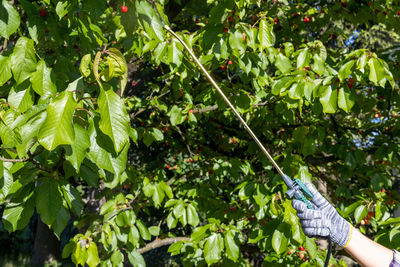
x=289, y=252
x=168, y=167
x=191, y=111
x=124, y=9
x=230, y=62
x=276, y=21
x=116, y=207
x=175, y=167
x=350, y=85
x=384, y=13
x=230, y=18
x=301, y=255
x=223, y=67
x=369, y=3
x=43, y=13
x=351, y=80
x=306, y=19
x=226, y=30
x=398, y=12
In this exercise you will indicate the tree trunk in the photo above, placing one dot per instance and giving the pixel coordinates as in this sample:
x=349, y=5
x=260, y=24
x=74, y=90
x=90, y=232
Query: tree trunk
x=46, y=247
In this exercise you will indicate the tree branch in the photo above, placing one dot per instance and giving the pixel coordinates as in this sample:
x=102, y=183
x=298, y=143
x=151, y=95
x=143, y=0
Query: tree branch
x=12, y=160
x=161, y=242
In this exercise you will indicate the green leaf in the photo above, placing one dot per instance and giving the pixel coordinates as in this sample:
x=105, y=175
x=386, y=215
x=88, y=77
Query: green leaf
x=17, y=215
x=212, y=248
x=311, y=247
x=6, y=182
x=79, y=256
x=117, y=258
x=74, y=199
x=346, y=99
x=58, y=128
x=175, y=53
x=41, y=80
x=144, y=232
x=93, y=255
x=158, y=135
x=133, y=235
x=68, y=249
x=283, y=63
x=158, y=195
x=62, y=9
x=280, y=239
x=192, y=217
x=76, y=153
x=296, y=91
x=21, y=97
x=148, y=138
x=266, y=34
x=150, y=20
x=167, y=189
x=231, y=248
x=328, y=100
x=237, y=42
x=61, y=221
x=377, y=73
x=122, y=67
x=102, y=151
x=360, y=213
x=84, y=67
x=175, y=248
x=199, y=233
x=346, y=70
x=23, y=59
x=155, y=230
x=9, y=19
x=5, y=69
x=48, y=200
x=279, y=86
x=390, y=221
x=136, y=259
x=303, y=58
x=114, y=120
x=318, y=65
x=175, y=115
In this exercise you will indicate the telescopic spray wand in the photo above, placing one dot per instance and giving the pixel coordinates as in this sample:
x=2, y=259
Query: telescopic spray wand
x=296, y=188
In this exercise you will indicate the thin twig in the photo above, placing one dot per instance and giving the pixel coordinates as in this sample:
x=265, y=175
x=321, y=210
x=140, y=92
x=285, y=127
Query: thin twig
x=161, y=242
x=12, y=160
x=184, y=139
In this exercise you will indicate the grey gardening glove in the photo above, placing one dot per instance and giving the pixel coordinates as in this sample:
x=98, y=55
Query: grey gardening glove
x=324, y=221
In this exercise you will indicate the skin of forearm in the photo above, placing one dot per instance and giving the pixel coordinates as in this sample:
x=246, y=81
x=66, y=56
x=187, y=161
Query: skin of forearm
x=367, y=252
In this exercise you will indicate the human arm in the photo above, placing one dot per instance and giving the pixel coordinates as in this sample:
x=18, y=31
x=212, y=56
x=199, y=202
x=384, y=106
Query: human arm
x=324, y=221
x=367, y=252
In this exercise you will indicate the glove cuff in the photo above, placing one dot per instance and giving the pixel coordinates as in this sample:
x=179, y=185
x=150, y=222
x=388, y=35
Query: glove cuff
x=350, y=235
x=344, y=237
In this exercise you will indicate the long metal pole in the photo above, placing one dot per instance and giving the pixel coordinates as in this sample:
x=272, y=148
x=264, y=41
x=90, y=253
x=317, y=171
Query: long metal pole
x=263, y=149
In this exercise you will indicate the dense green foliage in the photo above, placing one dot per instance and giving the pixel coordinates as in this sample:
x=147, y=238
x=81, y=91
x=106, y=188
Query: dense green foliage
x=95, y=96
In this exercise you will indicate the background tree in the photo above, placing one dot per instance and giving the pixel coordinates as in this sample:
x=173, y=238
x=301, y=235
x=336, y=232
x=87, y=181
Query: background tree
x=111, y=135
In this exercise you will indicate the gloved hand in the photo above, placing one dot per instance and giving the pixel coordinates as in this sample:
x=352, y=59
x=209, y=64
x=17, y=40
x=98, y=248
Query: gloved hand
x=324, y=221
